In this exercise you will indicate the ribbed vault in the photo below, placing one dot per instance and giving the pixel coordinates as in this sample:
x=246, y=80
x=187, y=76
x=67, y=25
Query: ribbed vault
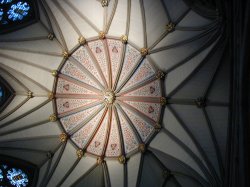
x=149, y=72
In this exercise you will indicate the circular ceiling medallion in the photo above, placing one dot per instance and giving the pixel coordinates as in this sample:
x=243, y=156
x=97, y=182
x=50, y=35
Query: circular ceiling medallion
x=109, y=98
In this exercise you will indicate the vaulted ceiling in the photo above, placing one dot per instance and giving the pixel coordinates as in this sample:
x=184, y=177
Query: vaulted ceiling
x=118, y=93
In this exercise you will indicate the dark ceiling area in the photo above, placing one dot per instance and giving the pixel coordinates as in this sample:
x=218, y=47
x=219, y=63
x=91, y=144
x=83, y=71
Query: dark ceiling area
x=54, y=108
x=238, y=13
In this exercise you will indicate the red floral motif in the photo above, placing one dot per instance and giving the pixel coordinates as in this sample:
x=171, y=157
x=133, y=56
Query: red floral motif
x=115, y=57
x=98, y=50
x=150, y=109
x=66, y=87
x=114, y=50
x=152, y=89
x=113, y=146
x=66, y=104
x=97, y=143
x=71, y=70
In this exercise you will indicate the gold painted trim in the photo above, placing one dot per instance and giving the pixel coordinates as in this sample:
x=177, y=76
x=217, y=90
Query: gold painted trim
x=142, y=148
x=160, y=75
x=104, y=3
x=165, y=173
x=163, y=101
x=82, y=40
x=100, y=160
x=30, y=94
x=144, y=51
x=170, y=27
x=53, y=117
x=101, y=35
x=63, y=137
x=51, y=95
x=122, y=159
x=54, y=73
x=65, y=54
x=200, y=102
x=158, y=127
x=79, y=153
x=124, y=39
x=51, y=36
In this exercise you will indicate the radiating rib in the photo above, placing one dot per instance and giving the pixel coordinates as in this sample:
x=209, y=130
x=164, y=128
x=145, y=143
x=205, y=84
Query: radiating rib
x=88, y=73
x=113, y=147
x=97, y=65
x=68, y=172
x=141, y=74
x=24, y=128
x=108, y=64
x=83, y=56
x=15, y=79
x=24, y=62
x=131, y=141
x=67, y=17
x=71, y=69
x=83, y=135
x=107, y=25
x=215, y=142
x=46, y=6
x=131, y=62
x=52, y=170
x=86, y=88
x=206, y=44
x=116, y=79
x=115, y=50
x=98, y=144
x=188, y=131
x=25, y=114
x=110, y=113
x=144, y=129
x=145, y=42
x=119, y=130
x=149, y=88
x=152, y=110
x=128, y=17
x=99, y=51
x=192, y=73
x=82, y=16
x=69, y=121
x=31, y=51
x=192, y=39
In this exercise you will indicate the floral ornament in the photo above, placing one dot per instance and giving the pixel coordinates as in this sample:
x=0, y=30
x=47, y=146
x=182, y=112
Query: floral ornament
x=17, y=177
x=5, y=1
x=18, y=11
